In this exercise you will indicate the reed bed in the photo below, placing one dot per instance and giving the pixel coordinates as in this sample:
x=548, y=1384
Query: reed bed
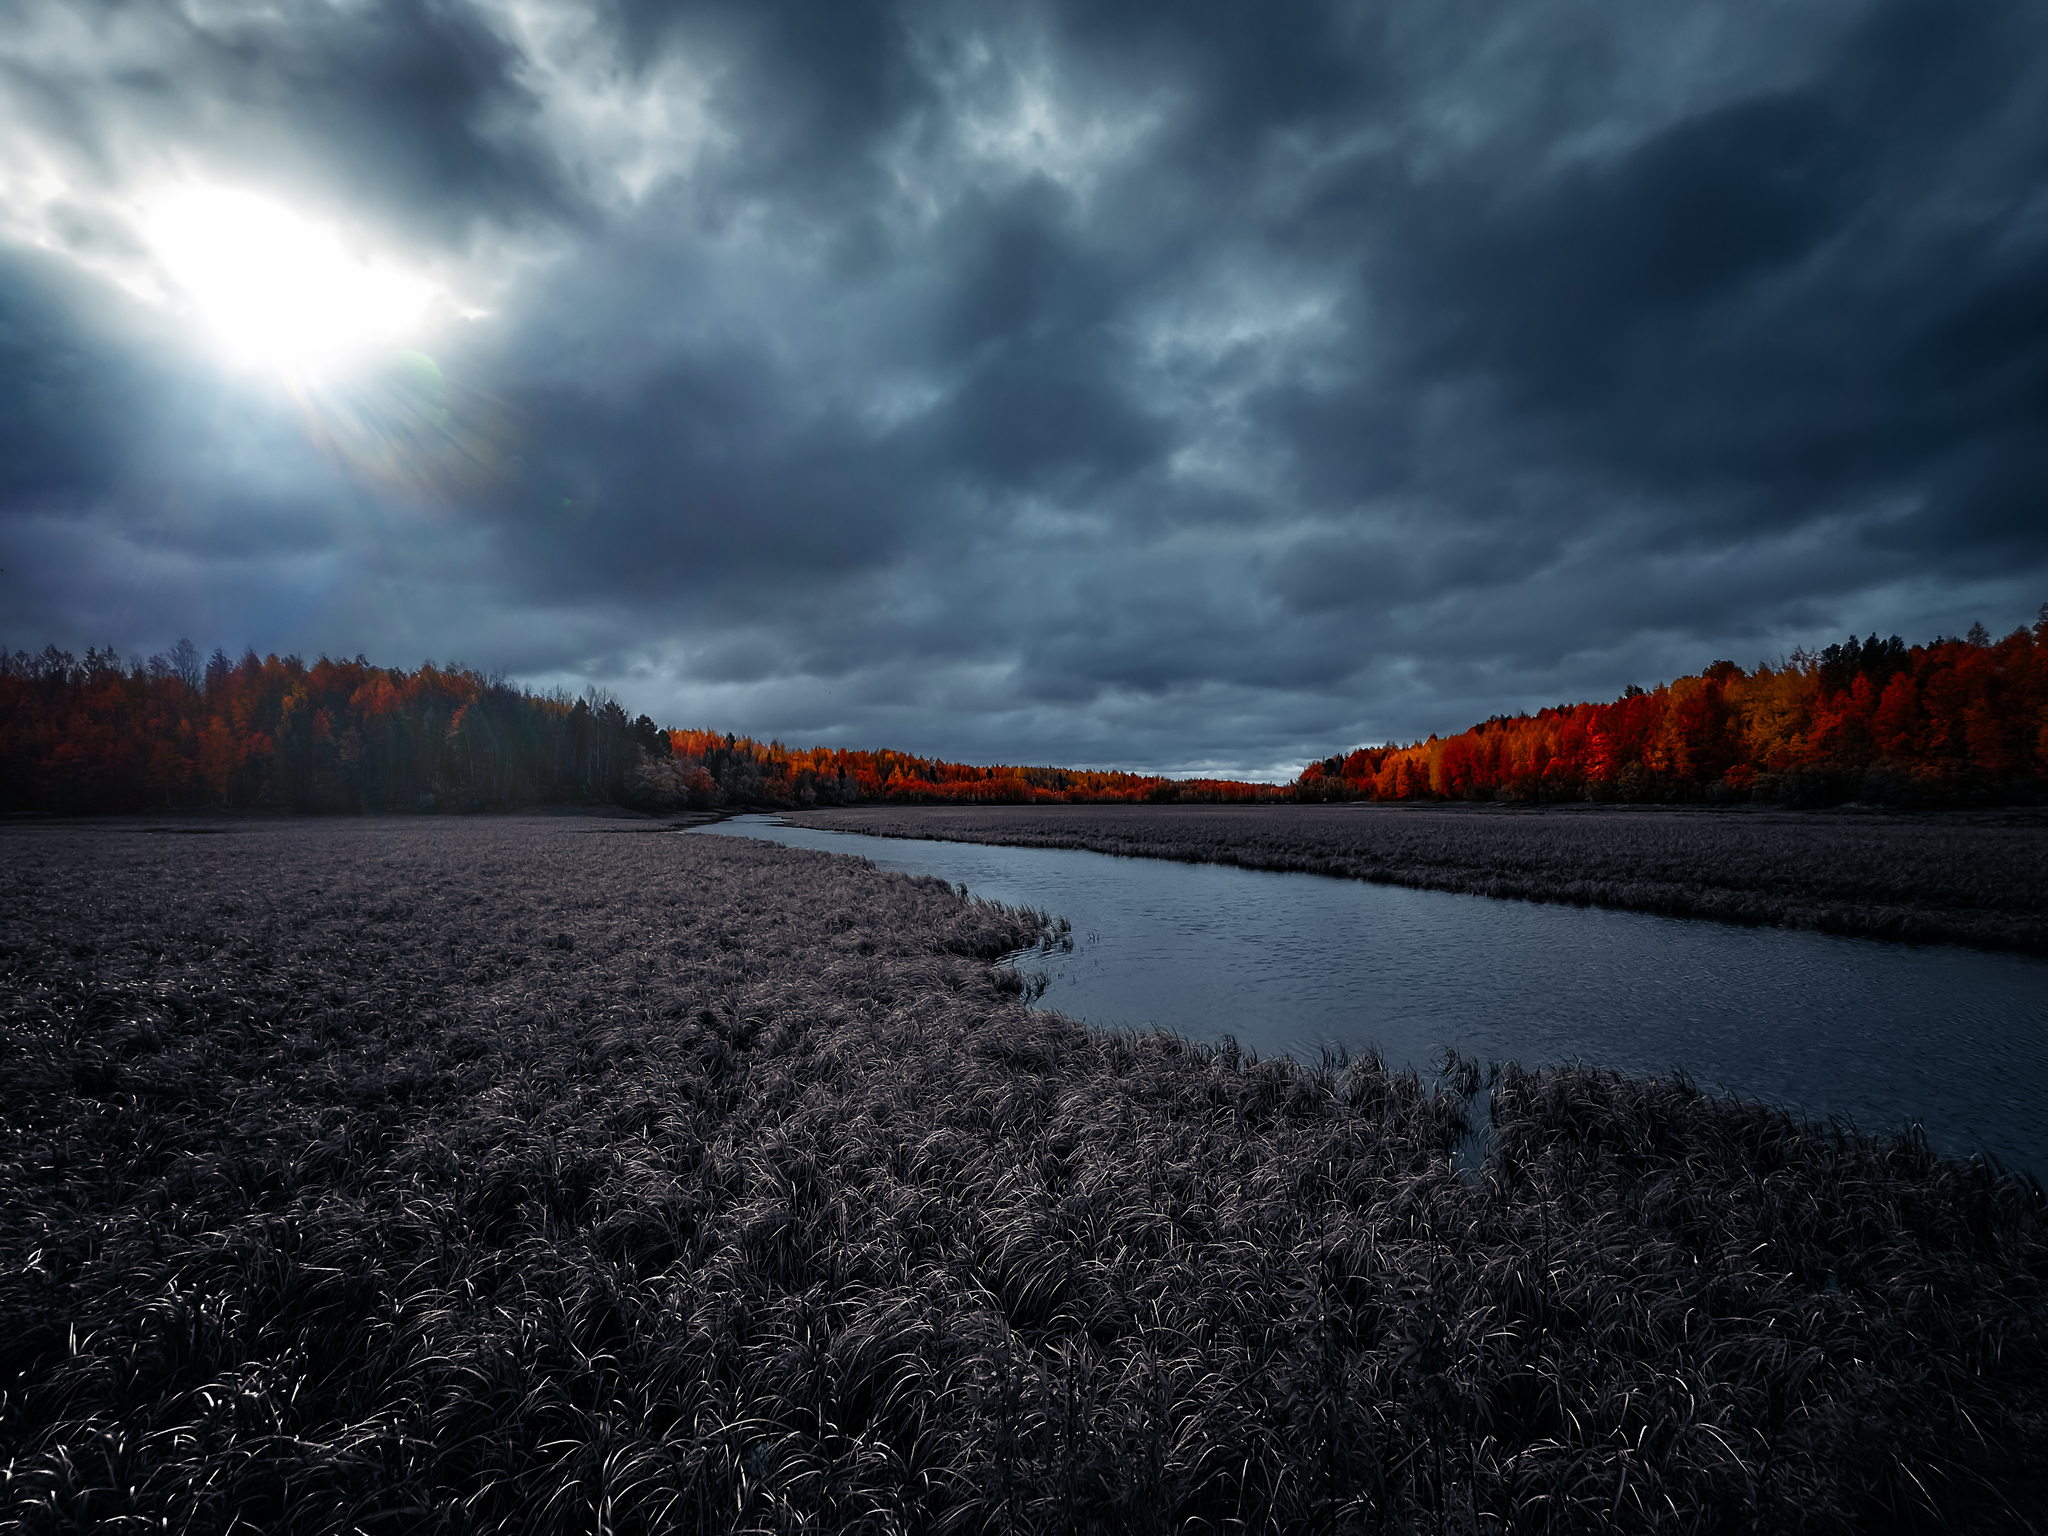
x=557, y=1176
x=1978, y=878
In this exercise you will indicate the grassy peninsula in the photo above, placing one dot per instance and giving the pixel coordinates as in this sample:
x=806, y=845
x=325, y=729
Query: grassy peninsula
x=1960, y=877
x=576, y=1175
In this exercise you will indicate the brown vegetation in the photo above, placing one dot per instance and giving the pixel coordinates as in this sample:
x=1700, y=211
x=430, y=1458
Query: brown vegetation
x=553, y=1175
x=1960, y=877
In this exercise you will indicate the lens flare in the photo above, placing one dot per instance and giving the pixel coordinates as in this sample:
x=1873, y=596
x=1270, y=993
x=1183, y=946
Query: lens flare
x=277, y=289
x=411, y=431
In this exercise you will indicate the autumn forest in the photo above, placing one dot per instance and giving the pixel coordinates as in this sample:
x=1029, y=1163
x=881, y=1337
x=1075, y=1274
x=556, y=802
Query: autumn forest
x=172, y=731
x=1950, y=721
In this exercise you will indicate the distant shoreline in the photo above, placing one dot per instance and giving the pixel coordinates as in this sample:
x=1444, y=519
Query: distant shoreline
x=1977, y=877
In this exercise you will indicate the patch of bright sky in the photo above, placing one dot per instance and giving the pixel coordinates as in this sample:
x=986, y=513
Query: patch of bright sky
x=1034, y=133
x=1248, y=311
x=628, y=125
x=1241, y=326
x=50, y=171
x=1010, y=114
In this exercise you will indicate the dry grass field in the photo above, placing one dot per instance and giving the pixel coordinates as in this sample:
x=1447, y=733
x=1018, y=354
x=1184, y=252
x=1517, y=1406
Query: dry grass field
x=1959, y=877
x=560, y=1175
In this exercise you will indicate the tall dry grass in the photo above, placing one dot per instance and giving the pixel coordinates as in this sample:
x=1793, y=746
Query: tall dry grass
x=531, y=1176
x=1957, y=877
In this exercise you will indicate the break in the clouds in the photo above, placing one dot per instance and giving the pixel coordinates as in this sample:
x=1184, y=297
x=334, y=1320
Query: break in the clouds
x=1176, y=386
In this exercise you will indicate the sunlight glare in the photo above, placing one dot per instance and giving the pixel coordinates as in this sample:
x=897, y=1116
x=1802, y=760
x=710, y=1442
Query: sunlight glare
x=277, y=289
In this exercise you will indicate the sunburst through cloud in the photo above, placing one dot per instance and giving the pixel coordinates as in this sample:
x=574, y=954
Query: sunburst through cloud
x=273, y=288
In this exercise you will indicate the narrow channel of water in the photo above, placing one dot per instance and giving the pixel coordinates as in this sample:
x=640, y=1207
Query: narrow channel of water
x=1875, y=1033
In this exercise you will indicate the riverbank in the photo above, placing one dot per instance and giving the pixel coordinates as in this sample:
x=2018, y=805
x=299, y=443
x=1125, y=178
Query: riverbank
x=1978, y=878
x=551, y=1175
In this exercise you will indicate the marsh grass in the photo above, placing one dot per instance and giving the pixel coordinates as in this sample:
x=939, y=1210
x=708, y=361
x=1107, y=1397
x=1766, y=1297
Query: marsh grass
x=524, y=1176
x=1960, y=877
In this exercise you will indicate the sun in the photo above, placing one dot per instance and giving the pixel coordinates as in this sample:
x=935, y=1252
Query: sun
x=276, y=289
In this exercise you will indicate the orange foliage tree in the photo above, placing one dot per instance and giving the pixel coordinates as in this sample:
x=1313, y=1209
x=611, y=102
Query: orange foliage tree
x=1952, y=721
x=337, y=735
x=101, y=735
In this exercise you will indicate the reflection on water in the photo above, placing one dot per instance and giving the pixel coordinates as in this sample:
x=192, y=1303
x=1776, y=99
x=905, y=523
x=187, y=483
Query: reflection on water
x=1873, y=1032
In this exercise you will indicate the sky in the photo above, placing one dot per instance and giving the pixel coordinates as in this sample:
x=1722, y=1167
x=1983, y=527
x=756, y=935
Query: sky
x=1178, y=386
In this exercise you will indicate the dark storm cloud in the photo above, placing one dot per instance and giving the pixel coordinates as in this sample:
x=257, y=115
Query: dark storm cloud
x=1162, y=384
x=68, y=394
x=1772, y=292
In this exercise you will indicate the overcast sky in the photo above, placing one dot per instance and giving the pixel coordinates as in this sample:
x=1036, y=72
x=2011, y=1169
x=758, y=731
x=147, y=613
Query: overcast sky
x=1177, y=386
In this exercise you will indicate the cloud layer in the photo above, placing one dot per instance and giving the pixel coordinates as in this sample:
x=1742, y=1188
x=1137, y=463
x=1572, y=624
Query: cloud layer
x=1169, y=386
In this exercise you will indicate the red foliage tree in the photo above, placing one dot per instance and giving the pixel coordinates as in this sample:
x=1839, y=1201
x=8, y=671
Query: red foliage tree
x=1953, y=720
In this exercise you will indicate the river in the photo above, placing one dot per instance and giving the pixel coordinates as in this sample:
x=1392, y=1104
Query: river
x=1875, y=1033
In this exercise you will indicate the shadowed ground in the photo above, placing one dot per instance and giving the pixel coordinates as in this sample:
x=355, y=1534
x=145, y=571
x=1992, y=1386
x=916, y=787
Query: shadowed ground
x=570, y=1175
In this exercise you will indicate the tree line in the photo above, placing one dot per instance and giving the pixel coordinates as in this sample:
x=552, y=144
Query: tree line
x=104, y=735
x=1952, y=721
x=703, y=768
x=101, y=734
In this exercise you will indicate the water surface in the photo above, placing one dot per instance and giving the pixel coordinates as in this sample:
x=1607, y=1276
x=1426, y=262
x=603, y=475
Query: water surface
x=1875, y=1033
